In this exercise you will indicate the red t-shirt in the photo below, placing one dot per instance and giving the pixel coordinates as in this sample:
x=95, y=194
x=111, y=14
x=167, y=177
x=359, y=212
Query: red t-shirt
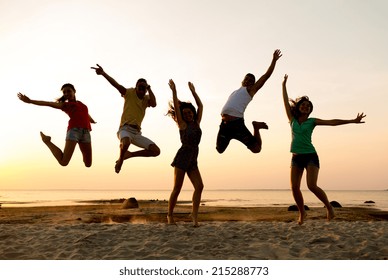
x=78, y=113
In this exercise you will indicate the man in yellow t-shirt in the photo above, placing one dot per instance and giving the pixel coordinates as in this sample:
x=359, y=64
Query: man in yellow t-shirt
x=136, y=101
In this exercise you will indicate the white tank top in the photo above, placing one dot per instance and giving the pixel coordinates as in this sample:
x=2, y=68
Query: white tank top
x=237, y=103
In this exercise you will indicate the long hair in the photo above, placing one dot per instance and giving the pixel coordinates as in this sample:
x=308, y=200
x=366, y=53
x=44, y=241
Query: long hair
x=182, y=105
x=63, y=98
x=295, y=104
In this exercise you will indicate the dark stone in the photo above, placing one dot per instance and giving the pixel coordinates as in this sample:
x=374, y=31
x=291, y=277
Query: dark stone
x=369, y=201
x=292, y=208
x=335, y=204
x=295, y=208
x=130, y=203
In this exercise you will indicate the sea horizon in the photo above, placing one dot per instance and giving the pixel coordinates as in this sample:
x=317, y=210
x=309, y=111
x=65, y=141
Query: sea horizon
x=211, y=197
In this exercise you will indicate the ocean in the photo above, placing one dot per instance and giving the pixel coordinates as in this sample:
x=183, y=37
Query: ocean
x=212, y=197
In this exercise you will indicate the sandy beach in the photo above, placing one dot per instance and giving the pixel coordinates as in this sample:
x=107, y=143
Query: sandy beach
x=106, y=231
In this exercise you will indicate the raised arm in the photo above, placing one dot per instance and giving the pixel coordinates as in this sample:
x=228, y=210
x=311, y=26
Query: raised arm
x=197, y=101
x=26, y=99
x=260, y=82
x=178, y=115
x=286, y=99
x=152, y=101
x=100, y=71
x=335, y=122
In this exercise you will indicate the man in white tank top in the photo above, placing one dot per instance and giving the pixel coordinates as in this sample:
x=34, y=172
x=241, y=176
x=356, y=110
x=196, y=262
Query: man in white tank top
x=232, y=125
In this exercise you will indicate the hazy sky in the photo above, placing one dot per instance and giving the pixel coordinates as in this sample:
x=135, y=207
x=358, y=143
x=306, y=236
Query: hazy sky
x=333, y=51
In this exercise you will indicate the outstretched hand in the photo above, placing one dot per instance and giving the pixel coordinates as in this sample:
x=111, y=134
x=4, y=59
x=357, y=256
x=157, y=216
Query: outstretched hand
x=24, y=98
x=285, y=79
x=99, y=70
x=172, y=85
x=191, y=86
x=277, y=54
x=359, y=118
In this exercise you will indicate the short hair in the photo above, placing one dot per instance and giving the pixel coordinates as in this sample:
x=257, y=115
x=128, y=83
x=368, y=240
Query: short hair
x=251, y=75
x=141, y=80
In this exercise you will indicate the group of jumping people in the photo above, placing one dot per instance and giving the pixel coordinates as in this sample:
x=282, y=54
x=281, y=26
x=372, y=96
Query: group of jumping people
x=188, y=118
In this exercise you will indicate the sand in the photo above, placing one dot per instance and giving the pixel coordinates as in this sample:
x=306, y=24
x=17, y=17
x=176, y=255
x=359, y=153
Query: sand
x=108, y=232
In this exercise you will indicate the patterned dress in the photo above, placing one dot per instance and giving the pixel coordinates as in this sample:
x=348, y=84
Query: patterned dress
x=186, y=157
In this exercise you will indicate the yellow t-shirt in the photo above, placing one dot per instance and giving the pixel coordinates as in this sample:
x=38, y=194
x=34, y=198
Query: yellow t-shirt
x=134, y=108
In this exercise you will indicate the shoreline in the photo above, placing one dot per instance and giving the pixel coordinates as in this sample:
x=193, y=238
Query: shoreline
x=224, y=198
x=110, y=211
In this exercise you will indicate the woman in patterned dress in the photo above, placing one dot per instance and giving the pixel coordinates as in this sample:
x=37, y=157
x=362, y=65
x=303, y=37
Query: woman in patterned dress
x=188, y=120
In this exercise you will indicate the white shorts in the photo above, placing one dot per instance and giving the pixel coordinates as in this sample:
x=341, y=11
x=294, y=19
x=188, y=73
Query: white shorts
x=134, y=136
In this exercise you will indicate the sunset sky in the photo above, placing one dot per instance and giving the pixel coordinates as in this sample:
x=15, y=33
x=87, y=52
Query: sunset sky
x=333, y=51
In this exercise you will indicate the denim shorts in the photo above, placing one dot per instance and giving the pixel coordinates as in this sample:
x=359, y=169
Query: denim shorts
x=303, y=160
x=80, y=135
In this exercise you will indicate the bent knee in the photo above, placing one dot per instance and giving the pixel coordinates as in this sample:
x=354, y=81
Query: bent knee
x=199, y=187
x=255, y=149
x=155, y=151
x=220, y=150
x=125, y=141
x=312, y=187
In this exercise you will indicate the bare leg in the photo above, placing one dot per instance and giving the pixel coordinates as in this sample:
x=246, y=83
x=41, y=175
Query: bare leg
x=64, y=157
x=256, y=133
x=196, y=180
x=152, y=151
x=124, y=145
x=312, y=177
x=179, y=176
x=296, y=177
x=86, y=150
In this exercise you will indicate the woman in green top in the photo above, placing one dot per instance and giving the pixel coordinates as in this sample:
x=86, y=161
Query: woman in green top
x=303, y=152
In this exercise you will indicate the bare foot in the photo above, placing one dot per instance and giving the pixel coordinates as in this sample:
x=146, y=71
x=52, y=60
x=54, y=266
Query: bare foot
x=119, y=162
x=195, y=220
x=302, y=216
x=46, y=139
x=330, y=213
x=259, y=125
x=170, y=220
x=118, y=165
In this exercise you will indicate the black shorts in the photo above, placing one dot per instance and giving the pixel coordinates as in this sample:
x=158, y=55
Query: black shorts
x=235, y=129
x=303, y=160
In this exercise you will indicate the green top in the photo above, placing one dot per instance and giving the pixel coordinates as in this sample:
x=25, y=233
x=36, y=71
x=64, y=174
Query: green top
x=301, y=136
